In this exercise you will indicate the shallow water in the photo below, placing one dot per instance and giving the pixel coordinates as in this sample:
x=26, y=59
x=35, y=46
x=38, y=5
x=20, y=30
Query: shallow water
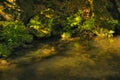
x=65, y=60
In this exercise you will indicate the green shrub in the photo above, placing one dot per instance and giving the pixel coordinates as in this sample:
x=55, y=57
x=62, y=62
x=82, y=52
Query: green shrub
x=117, y=29
x=4, y=51
x=105, y=28
x=73, y=23
x=114, y=25
x=103, y=33
x=14, y=34
x=88, y=28
x=89, y=24
x=77, y=25
x=41, y=25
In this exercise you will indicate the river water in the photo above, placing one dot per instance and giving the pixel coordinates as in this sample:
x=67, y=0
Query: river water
x=64, y=60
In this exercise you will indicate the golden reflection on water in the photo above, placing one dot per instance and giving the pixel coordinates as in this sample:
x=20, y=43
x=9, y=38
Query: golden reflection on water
x=71, y=60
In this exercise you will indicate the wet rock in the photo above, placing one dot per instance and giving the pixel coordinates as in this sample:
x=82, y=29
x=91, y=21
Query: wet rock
x=3, y=62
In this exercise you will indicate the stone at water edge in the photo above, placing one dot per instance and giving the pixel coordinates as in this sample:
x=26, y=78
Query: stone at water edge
x=3, y=62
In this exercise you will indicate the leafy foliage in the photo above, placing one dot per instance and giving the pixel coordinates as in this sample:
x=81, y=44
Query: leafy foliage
x=103, y=33
x=4, y=51
x=88, y=28
x=42, y=24
x=76, y=24
x=14, y=34
x=44, y=19
x=72, y=22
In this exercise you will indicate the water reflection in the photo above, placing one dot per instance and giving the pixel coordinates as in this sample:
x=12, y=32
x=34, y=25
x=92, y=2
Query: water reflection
x=66, y=60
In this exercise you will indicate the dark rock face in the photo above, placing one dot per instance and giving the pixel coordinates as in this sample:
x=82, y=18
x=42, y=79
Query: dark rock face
x=114, y=9
x=25, y=9
x=12, y=10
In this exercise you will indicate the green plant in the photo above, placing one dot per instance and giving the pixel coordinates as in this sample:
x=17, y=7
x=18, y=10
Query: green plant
x=89, y=24
x=4, y=51
x=65, y=36
x=77, y=25
x=41, y=25
x=14, y=34
x=114, y=25
x=86, y=29
x=103, y=33
x=73, y=22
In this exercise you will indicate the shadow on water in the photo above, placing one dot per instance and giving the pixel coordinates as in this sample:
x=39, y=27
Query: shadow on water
x=65, y=60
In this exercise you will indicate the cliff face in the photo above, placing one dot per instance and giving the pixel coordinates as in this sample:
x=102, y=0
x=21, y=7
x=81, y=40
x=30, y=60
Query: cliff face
x=24, y=9
x=12, y=10
x=115, y=9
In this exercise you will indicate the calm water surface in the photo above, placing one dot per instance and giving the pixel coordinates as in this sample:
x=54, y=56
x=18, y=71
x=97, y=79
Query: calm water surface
x=64, y=60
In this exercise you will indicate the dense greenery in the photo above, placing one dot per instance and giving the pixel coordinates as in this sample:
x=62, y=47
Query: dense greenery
x=41, y=25
x=12, y=35
x=19, y=24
